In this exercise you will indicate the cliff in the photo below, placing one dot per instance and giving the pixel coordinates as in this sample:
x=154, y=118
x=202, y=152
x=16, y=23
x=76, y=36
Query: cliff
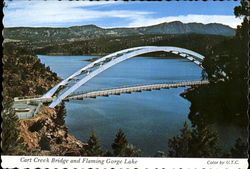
x=43, y=134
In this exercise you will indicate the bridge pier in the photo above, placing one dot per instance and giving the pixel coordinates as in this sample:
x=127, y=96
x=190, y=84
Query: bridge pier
x=138, y=90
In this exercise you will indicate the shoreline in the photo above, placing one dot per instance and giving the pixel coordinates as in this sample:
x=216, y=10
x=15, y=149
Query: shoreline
x=46, y=135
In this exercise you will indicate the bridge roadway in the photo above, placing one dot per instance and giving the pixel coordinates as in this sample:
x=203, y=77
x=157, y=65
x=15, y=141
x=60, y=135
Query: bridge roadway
x=140, y=88
x=116, y=91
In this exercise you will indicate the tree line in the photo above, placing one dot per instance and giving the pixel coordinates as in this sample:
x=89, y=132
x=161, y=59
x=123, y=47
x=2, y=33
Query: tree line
x=191, y=142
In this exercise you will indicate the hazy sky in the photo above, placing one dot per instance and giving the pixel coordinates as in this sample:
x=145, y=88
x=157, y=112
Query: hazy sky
x=37, y=13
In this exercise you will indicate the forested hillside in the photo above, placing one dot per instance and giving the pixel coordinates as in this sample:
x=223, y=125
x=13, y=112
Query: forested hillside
x=23, y=74
x=102, y=46
x=86, y=32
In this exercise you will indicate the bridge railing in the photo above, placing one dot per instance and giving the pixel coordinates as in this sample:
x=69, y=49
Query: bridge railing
x=26, y=97
x=117, y=87
x=128, y=86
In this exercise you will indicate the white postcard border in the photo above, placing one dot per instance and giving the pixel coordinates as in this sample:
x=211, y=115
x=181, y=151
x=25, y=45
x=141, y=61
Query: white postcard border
x=121, y=162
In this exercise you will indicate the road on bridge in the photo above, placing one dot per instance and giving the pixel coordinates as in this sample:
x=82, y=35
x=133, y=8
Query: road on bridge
x=140, y=88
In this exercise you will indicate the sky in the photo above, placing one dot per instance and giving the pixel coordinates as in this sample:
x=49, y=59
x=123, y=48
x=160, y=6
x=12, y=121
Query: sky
x=38, y=13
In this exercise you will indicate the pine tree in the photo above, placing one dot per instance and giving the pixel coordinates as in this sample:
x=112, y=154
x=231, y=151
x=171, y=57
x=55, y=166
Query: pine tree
x=130, y=151
x=10, y=133
x=204, y=143
x=198, y=142
x=61, y=113
x=93, y=148
x=121, y=147
x=120, y=143
x=179, y=145
x=44, y=143
x=242, y=11
x=160, y=154
x=239, y=150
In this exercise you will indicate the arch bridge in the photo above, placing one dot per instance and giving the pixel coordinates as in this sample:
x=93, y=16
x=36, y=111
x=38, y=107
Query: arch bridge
x=62, y=90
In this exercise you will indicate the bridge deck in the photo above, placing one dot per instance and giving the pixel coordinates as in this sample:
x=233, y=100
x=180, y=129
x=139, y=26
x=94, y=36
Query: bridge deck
x=119, y=91
x=116, y=91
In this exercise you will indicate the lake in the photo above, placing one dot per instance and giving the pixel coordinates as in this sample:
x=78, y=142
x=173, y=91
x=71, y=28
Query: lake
x=148, y=118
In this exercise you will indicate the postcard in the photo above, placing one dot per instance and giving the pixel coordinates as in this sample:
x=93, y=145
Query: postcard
x=125, y=84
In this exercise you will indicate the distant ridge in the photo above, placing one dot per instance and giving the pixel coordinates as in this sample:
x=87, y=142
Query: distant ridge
x=93, y=31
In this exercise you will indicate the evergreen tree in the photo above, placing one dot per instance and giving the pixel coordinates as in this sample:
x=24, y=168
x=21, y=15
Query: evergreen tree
x=130, y=151
x=160, y=154
x=120, y=143
x=121, y=147
x=44, y=143
x=61, y=113
x=107, y=154
x=11, y=143
x=93, y=148
x=198, y=142
x=204, y=143
x=179, y=145
x=240, y=149
x=239, y=12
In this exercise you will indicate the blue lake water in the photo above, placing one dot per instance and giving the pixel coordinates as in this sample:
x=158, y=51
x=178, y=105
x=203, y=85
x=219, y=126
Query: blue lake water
x=148, y=118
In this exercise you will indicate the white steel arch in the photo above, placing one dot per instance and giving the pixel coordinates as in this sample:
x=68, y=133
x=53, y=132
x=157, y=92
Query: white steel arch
x=111, y=60
x=67, y=80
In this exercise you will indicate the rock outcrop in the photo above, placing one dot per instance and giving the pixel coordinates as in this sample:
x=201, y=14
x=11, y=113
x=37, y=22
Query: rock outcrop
x=43, y=134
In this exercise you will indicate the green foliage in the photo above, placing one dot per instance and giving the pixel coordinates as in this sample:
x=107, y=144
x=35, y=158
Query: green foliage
x=240, y=149
x=222, y=103
x=231, y=56
x=198, y=142
x=160, y=154
x=11, y=142
x=242, y=32
x=93, y=148
x=99, y=46
x=130, y=151
x=243, y=9
x=23, y=74
x=61, y=113
x=205, y=143
x=226, y=65
x=36, y=126
x=44, y=143
x=121, y=147
x=180, y=145
x=120, y=143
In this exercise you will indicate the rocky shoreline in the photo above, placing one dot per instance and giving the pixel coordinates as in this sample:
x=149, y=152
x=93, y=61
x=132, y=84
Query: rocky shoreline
x=43, y=134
